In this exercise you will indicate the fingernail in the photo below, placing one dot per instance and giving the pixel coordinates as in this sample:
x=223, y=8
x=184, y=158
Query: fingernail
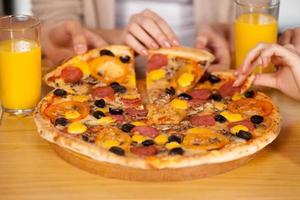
x=80, y=48
x=175, y=42
x=154, y=45
x=167, y=44
x=144, y=52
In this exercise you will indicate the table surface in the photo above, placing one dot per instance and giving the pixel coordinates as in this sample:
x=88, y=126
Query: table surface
x=29, y=169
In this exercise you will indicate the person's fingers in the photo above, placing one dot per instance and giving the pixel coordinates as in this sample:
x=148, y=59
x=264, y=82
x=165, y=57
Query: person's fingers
x=266, y=80
x=135, y=44
x=58, y=54
x=142, y=36
x=296, y=39
x=94, y=40
x=286, y=37
x=78, y=37
x=201, y=41
x=163, y=25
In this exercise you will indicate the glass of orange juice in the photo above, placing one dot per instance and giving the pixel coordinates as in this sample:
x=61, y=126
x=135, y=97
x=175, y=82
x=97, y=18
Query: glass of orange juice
x=20, y=63
x=255, y=22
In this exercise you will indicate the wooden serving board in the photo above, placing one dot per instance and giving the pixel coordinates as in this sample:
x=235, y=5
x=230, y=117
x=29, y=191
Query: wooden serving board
x=128, y=173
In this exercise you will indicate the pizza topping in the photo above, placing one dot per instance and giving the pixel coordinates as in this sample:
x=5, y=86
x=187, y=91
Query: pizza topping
x=144, y=150
x=100, y=103
x=72, y=114
x=172, y=145
x=131, y=102
x=227, y=89
x=156, y=74
x=115, y=111
x=179, y=104
x=113, y=137
x=219, y=106
x=231, y=117
x=103, y=92
x=237, y=128
x=186, y=79
x=117, y=150
x=60, y=109
x=118, y=88
x=216, y=97
x=98, y=114
x=176, y=151
x=249, y=94
x=133, y=112
x=148, y=142
x=251, y=107
x=174, y=138
x=107, y=144
x=257, y=119
x=220, y=118
x=203, y=120
x=185, y=96
x=106, y=52
x=196, y=102
x=80, y=98
x=71, y=74
x=202, y=94
x=213, y=79
x=204, y=139
x=125, y=59
x=244, y=135
x=76, y=128
x=60, y=92
x=138, y=123
x=170, y=91
x=139, y=138
x=127, y=127
x=157, y=61
x=236, y=97
x=146, y=131
x=245, y=123
x=118, y=118
x=161, y=139
x=61, y=121
x=105, y=120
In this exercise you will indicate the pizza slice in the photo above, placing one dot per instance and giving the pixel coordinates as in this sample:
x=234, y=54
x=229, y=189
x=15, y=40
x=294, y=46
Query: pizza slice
x=102, y=66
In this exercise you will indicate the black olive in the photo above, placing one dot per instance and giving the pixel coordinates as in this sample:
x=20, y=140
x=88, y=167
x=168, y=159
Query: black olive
x=98, y=114
x=185, y=96
x=61, y=121
x=213, y=79
x=106, y=52
x=127, y=127
x=170, y=91
x=216, y=97
x=117, y=150
x=148, y=142
x=257, y=119
x=176, y=151
x=60, y=92
x=249, y=94
x=118, y=88
x=220, y=118
x=85, y=137
x=116, y=111
x=125, y=59
x=174, y=138
x=100, y=103
x=244, y=135
x=204, y=77
x=88, y=138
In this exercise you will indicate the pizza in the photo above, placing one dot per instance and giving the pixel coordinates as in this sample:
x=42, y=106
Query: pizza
x=190, y=117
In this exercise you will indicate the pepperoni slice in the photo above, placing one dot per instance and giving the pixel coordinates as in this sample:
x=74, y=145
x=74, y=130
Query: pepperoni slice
x=135, y=112
x=103, y=92
x=144, y=150
x=245, y=122
x=251, y=107
x=204, y=120
x=227, y=90
x=202, y=94
x=118, y=118
x=131, y=102
x=71, y=74
x=146, y=130
x=157, y=61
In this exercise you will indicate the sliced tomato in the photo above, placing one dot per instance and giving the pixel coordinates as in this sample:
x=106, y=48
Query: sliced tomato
x=251, y=107
x=58, y=110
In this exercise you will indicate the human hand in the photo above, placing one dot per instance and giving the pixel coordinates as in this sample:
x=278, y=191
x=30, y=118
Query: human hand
x=67, y=39
x=147, y=30
x=215, y=41
x=285, y=79
x=291, y=36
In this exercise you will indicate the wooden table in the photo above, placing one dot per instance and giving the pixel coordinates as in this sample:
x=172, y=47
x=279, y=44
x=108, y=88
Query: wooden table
x=29, y=169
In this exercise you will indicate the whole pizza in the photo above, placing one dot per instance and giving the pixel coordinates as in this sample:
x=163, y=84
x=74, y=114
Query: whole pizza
x=188, y=117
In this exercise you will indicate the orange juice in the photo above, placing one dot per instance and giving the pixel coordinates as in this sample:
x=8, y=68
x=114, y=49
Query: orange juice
x=20, y=74
x=251, y=29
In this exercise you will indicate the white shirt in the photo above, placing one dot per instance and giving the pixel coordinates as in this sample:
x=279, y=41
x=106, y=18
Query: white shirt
x=177, y=13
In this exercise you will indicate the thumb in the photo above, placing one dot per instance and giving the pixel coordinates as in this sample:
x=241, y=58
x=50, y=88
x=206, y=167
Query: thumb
x=201, y=42
x=266, y=80
x=78, y=38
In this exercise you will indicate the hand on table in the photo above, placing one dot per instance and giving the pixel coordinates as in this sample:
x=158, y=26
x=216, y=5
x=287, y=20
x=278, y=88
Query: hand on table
x=286, y=79
x=68, y=38
x=147, y=30
x=291, y=36
x=213, y=40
